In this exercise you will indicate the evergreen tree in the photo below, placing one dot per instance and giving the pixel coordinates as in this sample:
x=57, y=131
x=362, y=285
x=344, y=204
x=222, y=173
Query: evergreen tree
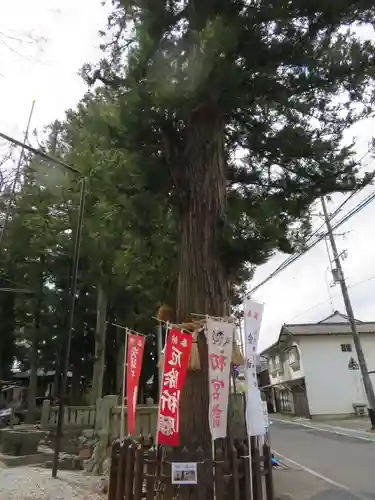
x=199, y=82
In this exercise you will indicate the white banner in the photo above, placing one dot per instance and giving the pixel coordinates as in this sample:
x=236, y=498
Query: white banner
x=265, y=416
x=220, y=344
x=254, y=413
x=253, y=312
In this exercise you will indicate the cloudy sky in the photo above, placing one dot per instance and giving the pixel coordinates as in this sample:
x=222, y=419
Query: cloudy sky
x=44, y=43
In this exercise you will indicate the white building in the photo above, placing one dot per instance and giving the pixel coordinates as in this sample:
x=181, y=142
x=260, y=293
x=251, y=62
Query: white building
x=313, y=368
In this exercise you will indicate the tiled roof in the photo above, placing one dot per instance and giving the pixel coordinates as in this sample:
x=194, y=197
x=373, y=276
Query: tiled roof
x=327, y=328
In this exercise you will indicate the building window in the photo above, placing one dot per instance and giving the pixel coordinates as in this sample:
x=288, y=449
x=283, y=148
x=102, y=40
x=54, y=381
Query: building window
x=293, y=357
x=271, y=366
x=346, y=347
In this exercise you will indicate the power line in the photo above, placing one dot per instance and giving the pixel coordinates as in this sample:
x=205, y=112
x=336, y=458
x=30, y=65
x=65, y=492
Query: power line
x=357, y=283
x=40, y=153
x=294, y=256
x=290, y=260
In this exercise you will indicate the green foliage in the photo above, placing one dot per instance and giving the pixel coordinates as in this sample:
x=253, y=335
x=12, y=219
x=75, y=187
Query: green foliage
x=130, y=257
x=263, y=89
x=283, y=79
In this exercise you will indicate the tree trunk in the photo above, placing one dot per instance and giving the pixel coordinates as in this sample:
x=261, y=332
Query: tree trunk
x=100, y=339
x=202, y=283
x=33, y=380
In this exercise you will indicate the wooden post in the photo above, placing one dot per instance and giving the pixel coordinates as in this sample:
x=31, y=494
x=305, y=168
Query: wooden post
x=219, y=475
x=244, y=451
x=235, y=474
x=112, y=490
x=129, y=472
x=257, y=475
x=268, y=468
x=138, y=472
x=121, y=468
x=151, y=475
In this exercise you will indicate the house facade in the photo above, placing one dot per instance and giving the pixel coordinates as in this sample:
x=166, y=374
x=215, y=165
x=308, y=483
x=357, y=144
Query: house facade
x=313, y=368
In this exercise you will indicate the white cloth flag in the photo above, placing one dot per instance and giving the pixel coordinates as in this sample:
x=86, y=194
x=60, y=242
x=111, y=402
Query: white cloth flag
x=253, y=312
x=220, y=345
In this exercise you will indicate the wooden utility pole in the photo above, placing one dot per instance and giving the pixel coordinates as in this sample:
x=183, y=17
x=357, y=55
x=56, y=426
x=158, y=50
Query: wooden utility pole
x=349, y=311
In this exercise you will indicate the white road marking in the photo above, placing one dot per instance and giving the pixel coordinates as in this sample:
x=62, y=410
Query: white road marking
x=318, y=475
x=332, y=430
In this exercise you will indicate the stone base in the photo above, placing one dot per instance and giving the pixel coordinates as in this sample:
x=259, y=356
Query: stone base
x=13, y=461
x=66, y=463
x=19, y=442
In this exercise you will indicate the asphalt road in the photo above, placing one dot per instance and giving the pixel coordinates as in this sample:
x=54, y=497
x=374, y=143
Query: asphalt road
x=325, y=465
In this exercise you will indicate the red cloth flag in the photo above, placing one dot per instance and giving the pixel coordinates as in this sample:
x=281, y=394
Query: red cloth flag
x=176, y=361
x=136, y=346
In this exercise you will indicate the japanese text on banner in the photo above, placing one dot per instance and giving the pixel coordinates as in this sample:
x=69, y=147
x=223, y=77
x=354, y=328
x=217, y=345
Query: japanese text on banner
x=254, y=409
x=176, y=361
x=134, y=364
x=220, y=344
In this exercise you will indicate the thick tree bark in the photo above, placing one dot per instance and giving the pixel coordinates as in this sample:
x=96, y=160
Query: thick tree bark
x=100, y=340
x=202, y=284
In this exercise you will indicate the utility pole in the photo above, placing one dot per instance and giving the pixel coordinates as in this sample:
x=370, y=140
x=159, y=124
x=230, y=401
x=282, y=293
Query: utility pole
x=349, y=311
x=65, y=349
x=17, y=175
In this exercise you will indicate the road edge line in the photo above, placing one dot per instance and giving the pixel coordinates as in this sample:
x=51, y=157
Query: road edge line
x=318, y=475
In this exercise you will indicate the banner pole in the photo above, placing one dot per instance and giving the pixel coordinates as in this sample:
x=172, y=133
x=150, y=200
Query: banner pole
x=246, y=400
x=213, y=468
x=161, y=385
x=122, y=422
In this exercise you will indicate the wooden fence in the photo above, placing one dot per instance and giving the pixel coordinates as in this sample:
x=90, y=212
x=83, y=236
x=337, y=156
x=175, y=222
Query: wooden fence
x=139, y=473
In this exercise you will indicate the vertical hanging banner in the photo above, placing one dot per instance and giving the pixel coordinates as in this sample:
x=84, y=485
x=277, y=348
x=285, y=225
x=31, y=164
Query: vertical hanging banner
x=220, y=336
x=176, y=361
x=136, y=346
x=253, y=312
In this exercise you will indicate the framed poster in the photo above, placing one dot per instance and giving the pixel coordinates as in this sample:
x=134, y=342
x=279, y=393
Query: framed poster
x=184, y=473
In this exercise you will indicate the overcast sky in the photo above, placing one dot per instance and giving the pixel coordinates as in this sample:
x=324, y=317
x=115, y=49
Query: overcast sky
x=46, y=70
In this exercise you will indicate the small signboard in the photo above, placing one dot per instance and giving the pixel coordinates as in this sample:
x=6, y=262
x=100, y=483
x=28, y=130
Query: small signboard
x=184, y=473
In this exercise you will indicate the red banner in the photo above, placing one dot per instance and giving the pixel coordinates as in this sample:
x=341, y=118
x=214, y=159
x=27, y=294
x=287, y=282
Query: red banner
x=176, y=361
x=134, y=364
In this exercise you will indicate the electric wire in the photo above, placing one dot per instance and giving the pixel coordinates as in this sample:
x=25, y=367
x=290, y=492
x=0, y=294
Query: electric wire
x=290, y=260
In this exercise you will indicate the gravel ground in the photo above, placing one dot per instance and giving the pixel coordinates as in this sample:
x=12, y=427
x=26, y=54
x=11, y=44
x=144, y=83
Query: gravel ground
x=31, y=483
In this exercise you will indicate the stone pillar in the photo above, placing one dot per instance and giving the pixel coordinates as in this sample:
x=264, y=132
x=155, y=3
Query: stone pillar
x=44, y=420
x=103, y=416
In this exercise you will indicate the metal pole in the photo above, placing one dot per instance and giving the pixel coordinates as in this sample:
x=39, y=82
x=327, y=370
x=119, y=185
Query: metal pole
x=122, y=428
x=349, y=310
x=161, y=374
x=16, y=177
x=241, y=336
x=66, y=347
x=159, y=348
